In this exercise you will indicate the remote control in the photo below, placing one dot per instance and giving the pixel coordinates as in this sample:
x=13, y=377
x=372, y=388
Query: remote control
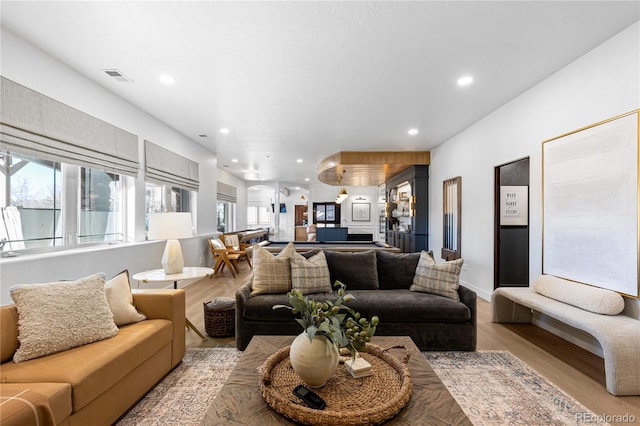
x=309, y=398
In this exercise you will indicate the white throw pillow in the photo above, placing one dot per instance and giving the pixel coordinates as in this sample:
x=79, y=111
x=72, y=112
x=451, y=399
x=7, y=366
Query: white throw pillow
x=271, y=274
x=58, y=316
x=437, y=278
x=589, y=298
x=310, y=275
x=118, y=291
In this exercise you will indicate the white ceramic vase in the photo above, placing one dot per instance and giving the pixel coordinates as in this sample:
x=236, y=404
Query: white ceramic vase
x=314, y=361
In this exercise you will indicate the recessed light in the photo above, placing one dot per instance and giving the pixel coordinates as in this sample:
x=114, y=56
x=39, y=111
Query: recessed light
x=465, y=80
x=224, y=131
x=167, y=79
x=413, y=132
x=306, y=179
x=234, y=160
x=299, y=160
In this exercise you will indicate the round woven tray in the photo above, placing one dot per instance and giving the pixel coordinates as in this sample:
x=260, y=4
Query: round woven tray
x=368, y=400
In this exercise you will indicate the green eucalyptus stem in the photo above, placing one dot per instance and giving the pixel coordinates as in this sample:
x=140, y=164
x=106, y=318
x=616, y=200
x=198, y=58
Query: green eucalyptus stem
x=344, y=327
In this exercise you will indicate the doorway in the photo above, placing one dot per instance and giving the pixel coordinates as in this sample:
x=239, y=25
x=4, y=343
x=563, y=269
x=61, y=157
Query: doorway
x=511, y=239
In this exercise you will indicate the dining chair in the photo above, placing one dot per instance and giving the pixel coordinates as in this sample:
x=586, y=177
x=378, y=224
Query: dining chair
x=223, y=257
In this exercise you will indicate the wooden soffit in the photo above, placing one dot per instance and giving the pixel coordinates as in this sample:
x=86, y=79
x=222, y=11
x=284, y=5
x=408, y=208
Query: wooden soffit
x=358, y=168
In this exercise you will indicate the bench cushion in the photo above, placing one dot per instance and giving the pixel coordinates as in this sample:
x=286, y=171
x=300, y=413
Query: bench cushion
x=589, y=298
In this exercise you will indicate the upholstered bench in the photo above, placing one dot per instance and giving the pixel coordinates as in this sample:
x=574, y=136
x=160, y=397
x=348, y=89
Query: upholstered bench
x=618, y=334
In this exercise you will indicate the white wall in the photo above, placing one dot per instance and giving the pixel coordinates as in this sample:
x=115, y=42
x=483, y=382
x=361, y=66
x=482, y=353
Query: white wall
x=241, y=203
x=602, y=84
x=31, y=67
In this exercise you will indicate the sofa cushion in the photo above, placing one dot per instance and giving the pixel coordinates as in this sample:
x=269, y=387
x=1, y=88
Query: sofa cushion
x=57, y=316
x=94, y=368
x=310, y=275
x=589, y=298
x=261, y=308
x=271, y=274
x=407, y=306
x=396, y=270
x=437, y=278
x=357, y=270
x=389, y=305
x=118, y=291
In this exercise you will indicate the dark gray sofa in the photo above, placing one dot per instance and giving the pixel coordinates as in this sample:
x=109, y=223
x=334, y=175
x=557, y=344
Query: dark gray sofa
x=380, y=282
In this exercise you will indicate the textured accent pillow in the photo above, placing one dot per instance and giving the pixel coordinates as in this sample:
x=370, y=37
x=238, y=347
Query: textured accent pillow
x=58, y=316
x=589, y=298
x=118, y=291
x=396, y=270
x=310, y=275
x=271, y=274
x=357, y=270
x=437, y=278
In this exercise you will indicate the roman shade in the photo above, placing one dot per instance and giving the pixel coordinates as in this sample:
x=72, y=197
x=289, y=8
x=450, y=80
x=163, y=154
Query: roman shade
x=227, y=193
x=35, y=125
x=166, y=167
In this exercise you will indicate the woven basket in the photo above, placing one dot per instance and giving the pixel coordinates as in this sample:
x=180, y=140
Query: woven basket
x=369, y=400
x=220, y=317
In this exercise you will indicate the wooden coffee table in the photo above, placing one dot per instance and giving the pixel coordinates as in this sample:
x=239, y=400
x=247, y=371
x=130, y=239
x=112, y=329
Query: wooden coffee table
x=240, y=402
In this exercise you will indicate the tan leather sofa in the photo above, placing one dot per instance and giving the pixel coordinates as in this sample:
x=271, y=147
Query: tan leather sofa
x=94, y=384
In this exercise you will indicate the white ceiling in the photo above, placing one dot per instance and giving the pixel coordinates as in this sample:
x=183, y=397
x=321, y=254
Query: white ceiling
x=308, y=79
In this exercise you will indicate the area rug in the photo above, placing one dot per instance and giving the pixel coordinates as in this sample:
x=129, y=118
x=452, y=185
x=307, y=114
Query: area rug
x=492, y=387
x=182, y=398
x=496, y=388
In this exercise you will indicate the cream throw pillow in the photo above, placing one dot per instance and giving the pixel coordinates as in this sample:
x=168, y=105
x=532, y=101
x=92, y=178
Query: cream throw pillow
x=118, y=291
x=592, y=299
x=58, y=316
x=271, y=274
x=437, y=278
x=310, y=275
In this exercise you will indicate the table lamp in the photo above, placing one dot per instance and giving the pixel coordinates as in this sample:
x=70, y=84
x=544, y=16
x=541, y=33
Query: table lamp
x=170, y=227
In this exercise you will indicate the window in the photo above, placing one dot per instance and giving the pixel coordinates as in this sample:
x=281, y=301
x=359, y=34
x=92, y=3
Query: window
x=226, y=216
x=31, y=205
x=34, y=215
x=451, y=221
x=258, y=216
x=101, y=213
x=326, y=214
x=164, y=198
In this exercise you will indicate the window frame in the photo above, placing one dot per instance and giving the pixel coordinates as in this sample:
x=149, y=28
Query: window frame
x=452, y=219
x=66, y=231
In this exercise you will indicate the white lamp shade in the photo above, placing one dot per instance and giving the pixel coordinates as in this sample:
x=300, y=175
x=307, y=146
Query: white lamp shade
x=170, y=226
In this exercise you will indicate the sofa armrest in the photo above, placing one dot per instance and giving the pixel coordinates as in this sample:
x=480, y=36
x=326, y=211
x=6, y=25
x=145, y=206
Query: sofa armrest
x=469, y=298
x=25, y=407
x=242, y=295
x=170, y=305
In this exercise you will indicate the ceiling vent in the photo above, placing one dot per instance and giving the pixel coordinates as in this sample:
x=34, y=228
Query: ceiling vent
x=119, y=76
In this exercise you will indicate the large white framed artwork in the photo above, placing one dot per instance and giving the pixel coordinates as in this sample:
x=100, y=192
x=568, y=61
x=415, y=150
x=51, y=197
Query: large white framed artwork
x=590, y=205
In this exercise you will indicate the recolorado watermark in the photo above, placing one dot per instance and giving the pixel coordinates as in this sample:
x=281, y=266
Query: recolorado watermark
x=604, y=418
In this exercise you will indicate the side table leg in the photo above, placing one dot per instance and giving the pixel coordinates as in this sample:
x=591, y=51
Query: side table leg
x=193, y=327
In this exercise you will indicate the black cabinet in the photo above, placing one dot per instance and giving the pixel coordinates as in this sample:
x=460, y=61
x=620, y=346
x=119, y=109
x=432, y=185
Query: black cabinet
x=407, y=201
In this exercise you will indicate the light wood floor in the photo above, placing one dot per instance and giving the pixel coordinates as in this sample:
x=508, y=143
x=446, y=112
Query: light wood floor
x=576, y=371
